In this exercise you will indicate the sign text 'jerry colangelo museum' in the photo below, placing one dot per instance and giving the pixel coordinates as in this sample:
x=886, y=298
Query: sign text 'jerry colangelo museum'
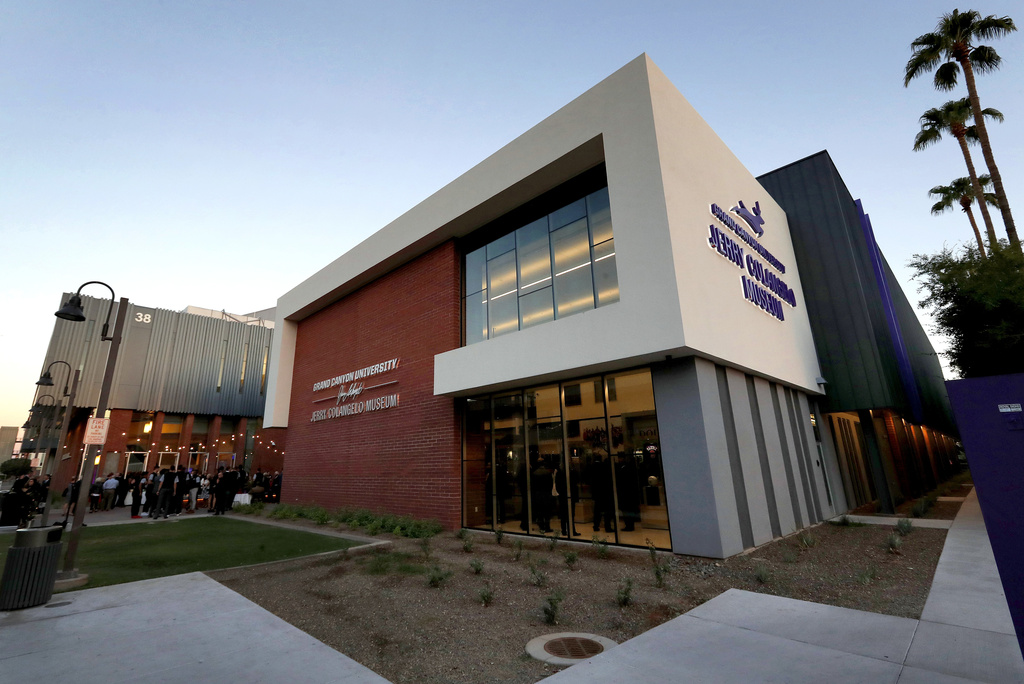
x=604, y=328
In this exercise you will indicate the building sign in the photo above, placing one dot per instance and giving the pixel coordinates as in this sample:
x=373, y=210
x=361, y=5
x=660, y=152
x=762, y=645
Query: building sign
x=760, y=286
x=96, y=431
x=348, y=399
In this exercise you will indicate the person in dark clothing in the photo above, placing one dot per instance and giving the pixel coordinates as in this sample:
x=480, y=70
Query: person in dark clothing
x=135, y=487
x=167, y=481
x=225, y=490
x=180, y=484
x=601, y=490
x=628, y=491
x=121, y=492
x=275, y=486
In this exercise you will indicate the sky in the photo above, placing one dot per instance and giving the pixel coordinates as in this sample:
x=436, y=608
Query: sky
x=216, y=154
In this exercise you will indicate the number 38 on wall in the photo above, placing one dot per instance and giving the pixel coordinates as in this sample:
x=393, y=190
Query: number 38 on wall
x=143, y=317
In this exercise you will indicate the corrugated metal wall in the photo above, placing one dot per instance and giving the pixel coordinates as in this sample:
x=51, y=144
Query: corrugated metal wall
x=169, y=361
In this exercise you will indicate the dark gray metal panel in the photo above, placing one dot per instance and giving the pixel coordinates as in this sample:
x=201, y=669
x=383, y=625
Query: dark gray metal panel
x=840, y=290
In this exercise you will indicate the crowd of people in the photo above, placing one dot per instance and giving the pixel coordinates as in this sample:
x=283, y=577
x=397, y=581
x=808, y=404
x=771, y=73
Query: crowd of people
x=172, y=491
x=24, y=500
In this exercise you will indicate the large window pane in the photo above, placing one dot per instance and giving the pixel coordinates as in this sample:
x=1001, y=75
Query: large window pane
x=503, y=304
x=534, y=256
x=511, y=472
x=606, y=278
x=476, y=317
x=536, y=307
x=600, y=216
x=568, y=214
x=501, y=245
x=476, y=270
x=544, y=447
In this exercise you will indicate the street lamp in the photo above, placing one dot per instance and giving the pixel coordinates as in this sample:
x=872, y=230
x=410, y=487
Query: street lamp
x=45, y=380
x=72, y=311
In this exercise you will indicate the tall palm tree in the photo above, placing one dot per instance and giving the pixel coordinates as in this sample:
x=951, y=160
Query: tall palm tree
x=960, y=192
x=952, y=118
x=950, y=48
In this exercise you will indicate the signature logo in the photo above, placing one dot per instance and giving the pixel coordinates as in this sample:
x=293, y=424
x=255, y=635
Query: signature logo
x=353, y=391
x=753, y=220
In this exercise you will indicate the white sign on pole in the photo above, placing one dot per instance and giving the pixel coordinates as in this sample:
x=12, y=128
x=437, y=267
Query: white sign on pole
x=96, y=431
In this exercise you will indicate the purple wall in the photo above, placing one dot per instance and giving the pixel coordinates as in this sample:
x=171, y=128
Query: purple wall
x=989, y=414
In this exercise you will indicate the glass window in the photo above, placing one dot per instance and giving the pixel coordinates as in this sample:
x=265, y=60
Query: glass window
x=503, y=305
x=556, y=266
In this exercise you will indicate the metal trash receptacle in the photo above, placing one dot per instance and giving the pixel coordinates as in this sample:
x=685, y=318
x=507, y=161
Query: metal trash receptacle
x=31, y=568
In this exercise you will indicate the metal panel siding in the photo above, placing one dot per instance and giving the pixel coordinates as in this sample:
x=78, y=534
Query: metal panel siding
x=169, y=364
x=834, y=263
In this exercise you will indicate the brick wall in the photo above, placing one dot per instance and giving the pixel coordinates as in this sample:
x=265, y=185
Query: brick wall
x=402, y=460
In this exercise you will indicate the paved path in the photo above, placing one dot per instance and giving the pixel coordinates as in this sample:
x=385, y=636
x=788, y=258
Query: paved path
x=964, y=635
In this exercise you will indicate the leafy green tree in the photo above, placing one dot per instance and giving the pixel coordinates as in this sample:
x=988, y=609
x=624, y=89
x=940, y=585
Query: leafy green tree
x=15, y=467
x=952, y=118
x=979, y=304
x=960, y=192
x=948, y=50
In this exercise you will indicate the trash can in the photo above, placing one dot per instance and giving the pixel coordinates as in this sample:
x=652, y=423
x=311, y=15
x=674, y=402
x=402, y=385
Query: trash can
x=31, y=568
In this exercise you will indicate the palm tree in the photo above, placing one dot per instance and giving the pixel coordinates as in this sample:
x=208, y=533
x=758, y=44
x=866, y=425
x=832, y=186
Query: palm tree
x=951, y=48
x=960, y=192
x=952, y=118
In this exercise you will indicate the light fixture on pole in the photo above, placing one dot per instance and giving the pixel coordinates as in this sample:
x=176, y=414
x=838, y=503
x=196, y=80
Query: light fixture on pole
x=65, y=424
x=72, y=311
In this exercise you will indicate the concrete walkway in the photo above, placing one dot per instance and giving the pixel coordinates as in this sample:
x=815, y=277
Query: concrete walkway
x=149, y=632
x=964, y=635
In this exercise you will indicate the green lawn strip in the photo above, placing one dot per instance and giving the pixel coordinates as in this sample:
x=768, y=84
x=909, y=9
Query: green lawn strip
x=128, y=553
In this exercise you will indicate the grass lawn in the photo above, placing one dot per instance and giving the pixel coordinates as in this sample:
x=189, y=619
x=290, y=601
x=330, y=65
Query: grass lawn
x=126, y=553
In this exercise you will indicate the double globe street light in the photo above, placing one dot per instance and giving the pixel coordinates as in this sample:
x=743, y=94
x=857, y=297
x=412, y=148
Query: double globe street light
x=72, y=311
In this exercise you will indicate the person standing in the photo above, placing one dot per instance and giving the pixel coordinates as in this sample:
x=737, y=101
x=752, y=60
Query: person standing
x=168, y=479
x=180, y=478
x=225, y=495
x=109, y=491
x=135, y=481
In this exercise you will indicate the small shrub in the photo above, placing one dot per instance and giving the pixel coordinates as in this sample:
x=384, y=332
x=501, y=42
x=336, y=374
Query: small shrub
x=551, y=607
x=317, y=514
x=789, y=555
x=477, y=566
x=807, y=541
x=571, y=557
x=552, y=542
x=467, y=545
x=843, y=521
x=659, y=568
x=373, y=529
x=499, y=535
x=486, y=595
x=904, y=526
x=285, y=512
x=761, y=573
x=624, y=596
x=538, y=577
x=600, y=545
x=894, y=541
x=436, y=577
x=254, y=508
x=517, y=550
x=919, y=508
x=425, y=546
x=462, y=534
x=867, y=575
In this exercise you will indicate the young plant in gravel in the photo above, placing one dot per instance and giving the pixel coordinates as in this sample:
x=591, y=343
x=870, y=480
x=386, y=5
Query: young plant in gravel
x=904, y=526
x=517, y=549
x=571, y=558
x=462, y=534
x=486, y=594
x=920, y=507
x=538, y=577
x=499, y=535
x=624, y=596
x=600, y=545
x=893, y=542
x=467, y=545
x=658, y=567
x=789, y=555
x=552, y=542
x=761, y=573
x=436, y=577
x=867, y=575
x=425, y=546
x=476, y=565
x=551, y=606
x=807, y=541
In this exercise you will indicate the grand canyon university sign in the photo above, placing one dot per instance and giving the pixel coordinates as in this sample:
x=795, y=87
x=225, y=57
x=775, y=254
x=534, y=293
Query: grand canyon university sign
x=347, y=400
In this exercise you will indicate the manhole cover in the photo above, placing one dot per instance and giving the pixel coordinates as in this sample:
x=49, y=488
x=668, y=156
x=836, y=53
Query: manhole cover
x=568, y=648
x=576, y=648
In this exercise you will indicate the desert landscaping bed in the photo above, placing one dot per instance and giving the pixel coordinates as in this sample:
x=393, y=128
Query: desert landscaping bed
x=379, y=608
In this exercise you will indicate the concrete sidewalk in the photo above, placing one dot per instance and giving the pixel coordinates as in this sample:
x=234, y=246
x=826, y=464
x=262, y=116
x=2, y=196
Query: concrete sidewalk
x=964, y=635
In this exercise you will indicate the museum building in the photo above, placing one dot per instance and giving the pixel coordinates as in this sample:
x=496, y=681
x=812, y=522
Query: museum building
x=601, y=330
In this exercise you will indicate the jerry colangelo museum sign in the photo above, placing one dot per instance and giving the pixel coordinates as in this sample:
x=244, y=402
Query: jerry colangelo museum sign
x=351, y=386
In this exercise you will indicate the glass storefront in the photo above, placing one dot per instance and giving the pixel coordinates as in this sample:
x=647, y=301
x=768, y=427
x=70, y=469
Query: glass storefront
x=576, y=460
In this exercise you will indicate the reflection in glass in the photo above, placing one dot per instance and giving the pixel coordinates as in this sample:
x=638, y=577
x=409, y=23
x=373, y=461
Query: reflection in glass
x=476, y=317
x=568, y=214
x=535, y=308
x=476, y=271
x=510, y=470
x=500, y=246
x=477, y=487
x=534, y=254
x=606, y=278
x=503, y=304
x=600, y=216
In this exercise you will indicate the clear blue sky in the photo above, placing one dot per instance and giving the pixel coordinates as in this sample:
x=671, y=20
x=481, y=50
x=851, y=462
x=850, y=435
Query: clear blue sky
x=217, y=153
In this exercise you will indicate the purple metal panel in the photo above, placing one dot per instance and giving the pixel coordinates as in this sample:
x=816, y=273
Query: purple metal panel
x=988, y=413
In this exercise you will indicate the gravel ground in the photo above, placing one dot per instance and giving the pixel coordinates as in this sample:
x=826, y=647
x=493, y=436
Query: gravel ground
x=379, y=609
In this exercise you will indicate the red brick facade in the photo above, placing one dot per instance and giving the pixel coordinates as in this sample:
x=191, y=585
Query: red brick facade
x=402, y=460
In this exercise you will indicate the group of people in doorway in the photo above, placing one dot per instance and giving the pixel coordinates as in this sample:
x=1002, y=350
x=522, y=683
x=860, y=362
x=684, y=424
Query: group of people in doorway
x=173, y=491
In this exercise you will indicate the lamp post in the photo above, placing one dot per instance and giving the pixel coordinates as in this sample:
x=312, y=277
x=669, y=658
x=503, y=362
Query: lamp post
x=72, y=311
x=45, y=380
